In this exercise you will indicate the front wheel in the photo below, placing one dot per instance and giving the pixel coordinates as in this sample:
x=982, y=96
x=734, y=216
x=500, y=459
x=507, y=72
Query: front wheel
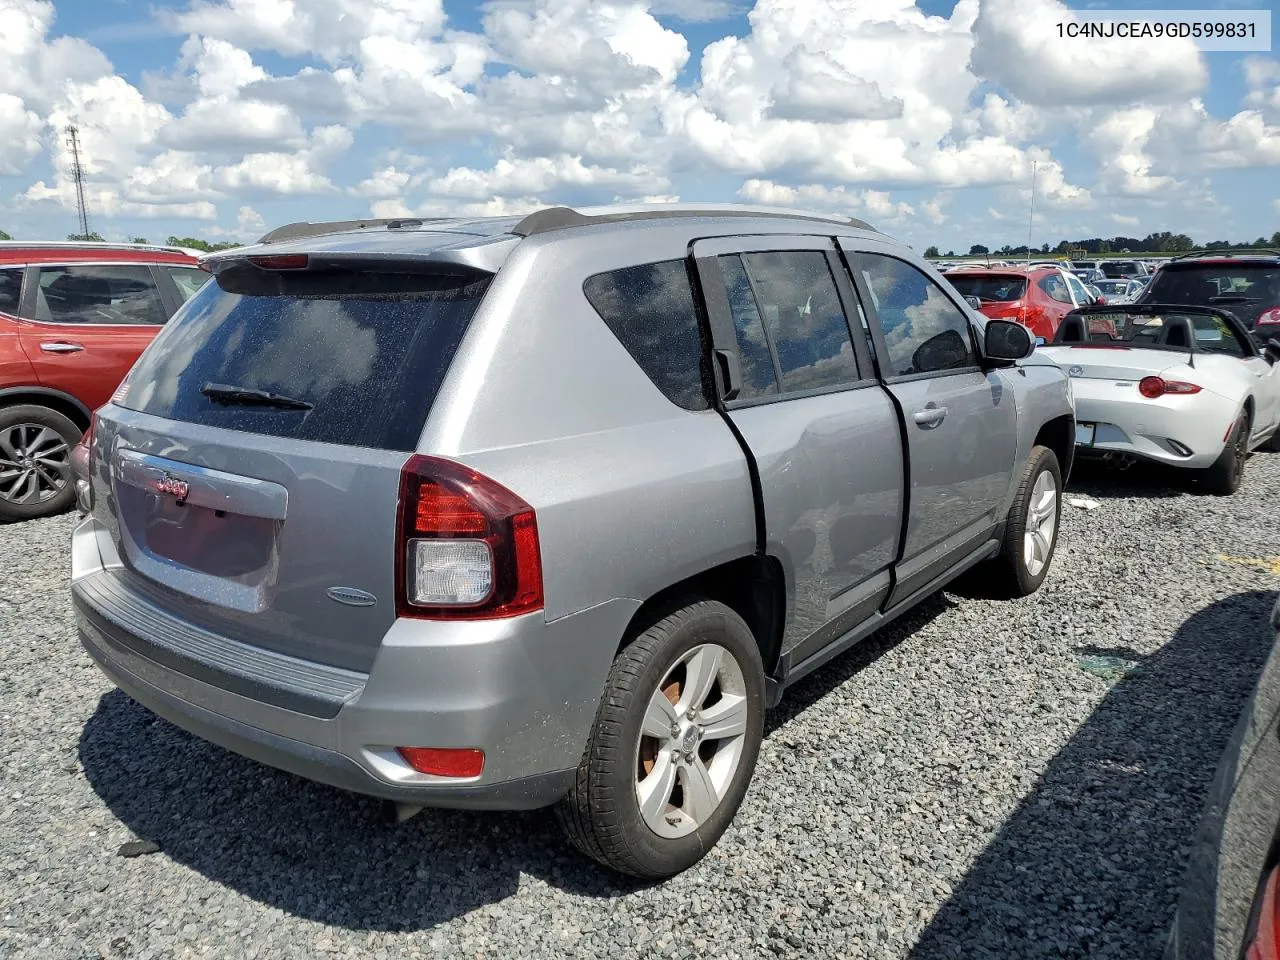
x=1227, y=472
x=674, y=744
x=1031, y=531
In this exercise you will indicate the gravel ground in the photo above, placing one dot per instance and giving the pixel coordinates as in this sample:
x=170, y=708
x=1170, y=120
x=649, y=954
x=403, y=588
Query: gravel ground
x=981, y=779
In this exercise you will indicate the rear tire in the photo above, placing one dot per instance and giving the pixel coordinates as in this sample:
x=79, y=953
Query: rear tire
x=679, y=724
x=1031, y=531
x=1224, y=477
x=35, y=462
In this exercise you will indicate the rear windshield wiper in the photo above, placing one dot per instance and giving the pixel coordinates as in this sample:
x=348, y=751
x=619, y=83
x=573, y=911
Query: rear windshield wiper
x=249, y=397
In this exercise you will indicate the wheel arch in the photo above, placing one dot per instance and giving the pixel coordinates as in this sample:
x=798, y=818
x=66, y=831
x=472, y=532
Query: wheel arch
x=753, y=586
x=63, y=403
x=1059, y=435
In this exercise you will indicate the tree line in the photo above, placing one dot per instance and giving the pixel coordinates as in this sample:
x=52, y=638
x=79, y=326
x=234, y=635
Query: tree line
x=191, y=243
x=1165, y=242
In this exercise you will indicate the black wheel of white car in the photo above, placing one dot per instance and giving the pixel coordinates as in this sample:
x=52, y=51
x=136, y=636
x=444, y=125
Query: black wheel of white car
x=674, y=744
x=35, y=462
x=1224, y=477
x=1031, y=532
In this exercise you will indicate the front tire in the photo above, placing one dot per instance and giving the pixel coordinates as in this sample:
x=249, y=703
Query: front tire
x=1031, y=531
x=674, y=744
x=1224, y=477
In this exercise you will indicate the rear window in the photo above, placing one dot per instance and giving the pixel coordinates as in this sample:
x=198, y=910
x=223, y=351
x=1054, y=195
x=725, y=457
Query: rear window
x=1213, y=284
x=367, y=352
x=650, y=310
x=989, y=289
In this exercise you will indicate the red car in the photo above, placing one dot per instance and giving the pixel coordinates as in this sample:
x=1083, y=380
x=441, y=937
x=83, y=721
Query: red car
x=1036, y=297
x=73, y=319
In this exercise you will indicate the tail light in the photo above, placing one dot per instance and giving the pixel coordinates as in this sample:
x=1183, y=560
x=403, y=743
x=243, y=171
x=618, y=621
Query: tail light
x=468, y=547
x=1153, y=387
x=81, y=462
x=1268, y=318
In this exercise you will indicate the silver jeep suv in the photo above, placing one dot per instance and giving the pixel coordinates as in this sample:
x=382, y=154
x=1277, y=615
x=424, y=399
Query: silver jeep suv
x=511, y=513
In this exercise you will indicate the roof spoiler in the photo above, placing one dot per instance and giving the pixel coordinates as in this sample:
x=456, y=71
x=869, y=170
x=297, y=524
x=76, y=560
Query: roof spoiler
x=306, y=228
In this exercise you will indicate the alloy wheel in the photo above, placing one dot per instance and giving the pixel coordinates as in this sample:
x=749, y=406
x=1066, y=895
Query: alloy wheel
x=691, y=741
x=1042, y=523
x=34, y=464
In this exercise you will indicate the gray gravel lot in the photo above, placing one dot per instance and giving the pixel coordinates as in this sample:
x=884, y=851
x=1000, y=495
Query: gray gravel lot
x=959, y=786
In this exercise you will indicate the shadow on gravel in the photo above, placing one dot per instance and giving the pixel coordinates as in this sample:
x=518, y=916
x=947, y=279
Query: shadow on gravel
x=324, y=854
x=308, y=849
x=1144, y=481
x=1090, y=863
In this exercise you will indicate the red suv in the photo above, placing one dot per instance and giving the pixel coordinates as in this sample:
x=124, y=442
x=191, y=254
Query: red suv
x=73, y=319
x=1036, y=297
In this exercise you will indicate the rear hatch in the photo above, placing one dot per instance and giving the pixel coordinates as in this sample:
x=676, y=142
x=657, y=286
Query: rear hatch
x=255, y=450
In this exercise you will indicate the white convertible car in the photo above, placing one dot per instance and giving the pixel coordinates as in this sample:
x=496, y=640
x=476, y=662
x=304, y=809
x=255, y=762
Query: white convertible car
x=1184, y=386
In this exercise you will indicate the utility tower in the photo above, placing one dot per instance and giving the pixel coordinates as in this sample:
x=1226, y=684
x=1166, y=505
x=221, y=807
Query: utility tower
x=77, y=171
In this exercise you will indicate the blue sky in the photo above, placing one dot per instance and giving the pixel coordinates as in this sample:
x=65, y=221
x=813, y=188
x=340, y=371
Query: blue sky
x=221, y=118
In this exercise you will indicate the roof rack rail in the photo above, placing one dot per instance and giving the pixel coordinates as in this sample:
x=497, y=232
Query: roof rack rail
x=75, y=244
x=1227, y=253
x=307, y=228
x=560, y=218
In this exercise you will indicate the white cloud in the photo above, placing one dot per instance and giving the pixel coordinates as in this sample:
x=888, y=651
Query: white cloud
x=1124, y=220
x=876, y=205
x=385, y=184
x=1016, y=44
x=249, y=226
x=541, y=175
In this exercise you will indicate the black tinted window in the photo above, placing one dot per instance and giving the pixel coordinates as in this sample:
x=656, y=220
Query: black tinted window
x=10, y=290
x=93, y=294
x=759, y=377
x=923, y=330
x=990, y=288
x=796, y=296
x=650, y=310
x=368, y=361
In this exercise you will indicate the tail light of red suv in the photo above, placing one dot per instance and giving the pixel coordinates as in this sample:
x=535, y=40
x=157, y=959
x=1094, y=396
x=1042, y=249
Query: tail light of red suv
x=1268, y=323
x=467, y=547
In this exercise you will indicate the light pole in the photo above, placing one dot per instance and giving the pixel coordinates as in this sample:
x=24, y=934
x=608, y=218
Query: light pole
x=1031, y=219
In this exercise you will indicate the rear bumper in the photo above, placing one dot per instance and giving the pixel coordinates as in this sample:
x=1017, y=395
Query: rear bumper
x=1180, y=431
x=523, y=690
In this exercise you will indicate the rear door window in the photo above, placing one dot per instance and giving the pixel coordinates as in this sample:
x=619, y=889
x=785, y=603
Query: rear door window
x=112, y=295
x=650, y=310
x=10, y=289
x=365, y=353
x=989, y=288
x=795, y=295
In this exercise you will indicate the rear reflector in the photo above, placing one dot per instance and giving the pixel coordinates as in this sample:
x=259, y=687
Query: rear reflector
x=441, y=762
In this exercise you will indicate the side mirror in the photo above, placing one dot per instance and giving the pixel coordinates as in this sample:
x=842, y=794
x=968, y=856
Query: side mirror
x=1272, y=351
x=973, y=302
x=1006, y=342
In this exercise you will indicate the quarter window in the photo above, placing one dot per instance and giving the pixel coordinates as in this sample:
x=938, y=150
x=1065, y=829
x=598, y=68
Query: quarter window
x=98, y=294
x=1056, y=288
x=10, y=290
x=924, y=331
x=650, y=310
x=188, y=280
x=1083, y=297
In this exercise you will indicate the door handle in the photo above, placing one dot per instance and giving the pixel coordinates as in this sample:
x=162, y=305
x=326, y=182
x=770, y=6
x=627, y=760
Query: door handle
x=61, y=347
x=930, y=416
